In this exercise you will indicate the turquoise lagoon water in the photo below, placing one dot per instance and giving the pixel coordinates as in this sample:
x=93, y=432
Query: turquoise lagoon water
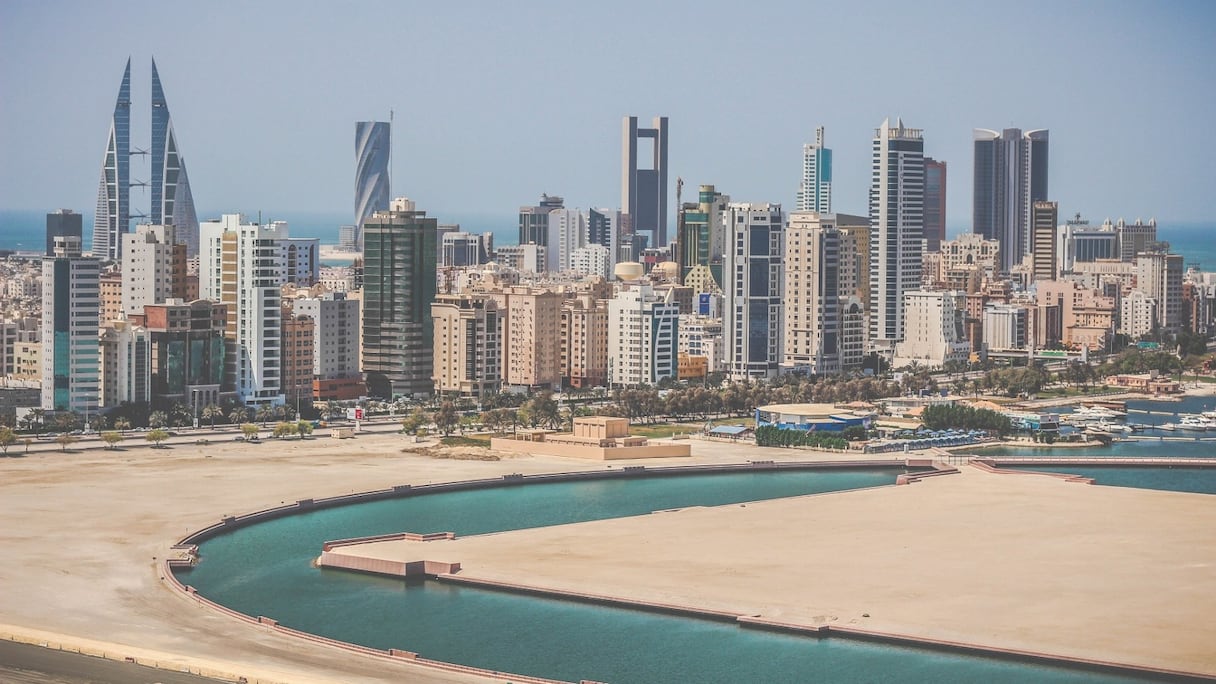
x=265, y=569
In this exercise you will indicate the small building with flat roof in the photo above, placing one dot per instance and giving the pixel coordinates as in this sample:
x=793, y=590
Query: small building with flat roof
x=806, y=417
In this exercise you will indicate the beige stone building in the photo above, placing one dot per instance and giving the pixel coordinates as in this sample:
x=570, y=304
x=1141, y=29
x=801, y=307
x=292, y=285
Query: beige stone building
x=111, y=296
x=299, y=347
x=969, y=252
x=532, y=330
x=468, y=344
x=1086, y=317
x=584, y=336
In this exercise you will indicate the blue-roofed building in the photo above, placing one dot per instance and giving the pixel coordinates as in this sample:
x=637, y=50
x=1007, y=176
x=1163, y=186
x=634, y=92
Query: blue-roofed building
x=806, y=417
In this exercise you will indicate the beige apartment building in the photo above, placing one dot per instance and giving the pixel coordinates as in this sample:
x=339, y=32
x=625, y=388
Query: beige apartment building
x=584, y=335
x=532, y=329
x=1086, y=317
x=110, y=283
x=468, y=344
x=965, y=254
x=299, y=346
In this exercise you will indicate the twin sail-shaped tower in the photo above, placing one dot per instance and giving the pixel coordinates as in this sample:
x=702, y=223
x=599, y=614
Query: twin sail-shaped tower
x=172, y=203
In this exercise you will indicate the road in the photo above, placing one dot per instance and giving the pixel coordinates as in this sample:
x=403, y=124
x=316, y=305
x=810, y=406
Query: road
x=29, y=664
x=137, y=438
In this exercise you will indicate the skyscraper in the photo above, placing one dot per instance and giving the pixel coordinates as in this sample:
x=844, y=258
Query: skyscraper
x=71, y=360
x=935, y=204
x=813, y=281
x=62, y=223
x=815, y=191
x=534, y=221
x=897, y=194
x=1043, y=240
x=172, y=202
x=114, y=195
x=754, y=274
x=245, y=265
x=700, y=236
x=644, y=190
x=398, y=290
x=373, y=144
x=1010, y=176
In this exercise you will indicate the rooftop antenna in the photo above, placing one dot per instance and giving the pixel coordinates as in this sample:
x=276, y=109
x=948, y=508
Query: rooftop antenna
x=390, y=154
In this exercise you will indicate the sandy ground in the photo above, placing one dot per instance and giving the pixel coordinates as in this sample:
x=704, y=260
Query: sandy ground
x=1031, y=563
x=84, y=531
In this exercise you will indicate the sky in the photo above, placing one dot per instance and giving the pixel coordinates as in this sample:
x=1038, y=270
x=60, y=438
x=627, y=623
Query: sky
x=497, y=102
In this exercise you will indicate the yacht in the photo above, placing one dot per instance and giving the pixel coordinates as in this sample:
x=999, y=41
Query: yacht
x=1196, y=422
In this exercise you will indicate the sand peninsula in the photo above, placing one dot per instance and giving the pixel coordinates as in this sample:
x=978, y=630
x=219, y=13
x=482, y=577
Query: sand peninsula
x=1092, y=572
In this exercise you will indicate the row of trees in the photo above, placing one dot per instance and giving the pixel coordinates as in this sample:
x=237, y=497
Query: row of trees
x=964, y=417
x=771, y=435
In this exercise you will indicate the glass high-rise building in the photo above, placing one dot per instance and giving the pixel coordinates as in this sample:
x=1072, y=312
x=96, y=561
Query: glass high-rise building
x=62, y=224
x=935, y=204
x=71, y=359
x=815, y=190
x=172, y=201
x=644, y=181
x=373, y=144
x=1010, y=176
x=113, y=214
x=897, y=221
x=398, y=290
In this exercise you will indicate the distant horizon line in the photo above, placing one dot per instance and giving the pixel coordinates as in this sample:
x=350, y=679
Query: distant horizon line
x=492, y=214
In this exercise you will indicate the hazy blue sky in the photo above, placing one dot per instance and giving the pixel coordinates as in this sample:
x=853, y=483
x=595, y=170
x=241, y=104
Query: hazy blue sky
x=497, y=102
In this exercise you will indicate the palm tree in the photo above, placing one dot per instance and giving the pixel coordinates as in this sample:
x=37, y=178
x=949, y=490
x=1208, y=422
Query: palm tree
x=122, y=424
x=265, y=413
x=211, y=412
x=158, y=419
x=238, y=415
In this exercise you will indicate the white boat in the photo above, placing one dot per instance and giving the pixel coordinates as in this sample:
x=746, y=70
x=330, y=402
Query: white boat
x=1192, y=421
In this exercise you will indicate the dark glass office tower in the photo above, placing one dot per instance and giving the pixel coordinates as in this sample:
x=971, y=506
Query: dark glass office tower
x=935, y=204
x=63, y=223
x=1010, y=176
x=398, y=290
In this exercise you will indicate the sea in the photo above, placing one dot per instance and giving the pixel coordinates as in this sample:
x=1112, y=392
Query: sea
x=25, y=231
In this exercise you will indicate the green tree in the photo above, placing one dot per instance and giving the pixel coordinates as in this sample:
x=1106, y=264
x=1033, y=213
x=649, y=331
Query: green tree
x=211, y=412
x=156, y=436
x=122, y=424
x=111, y=439
x=7, y=438
x=238, y=415
x=413, y=421
x=542, y=410
x=65, y=440
x=446, y=417
x=249, y=430
x=304, y=428
x=265, y=414
x=284, y=429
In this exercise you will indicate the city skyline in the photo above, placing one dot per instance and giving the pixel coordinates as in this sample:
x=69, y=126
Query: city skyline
x=286, y=113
